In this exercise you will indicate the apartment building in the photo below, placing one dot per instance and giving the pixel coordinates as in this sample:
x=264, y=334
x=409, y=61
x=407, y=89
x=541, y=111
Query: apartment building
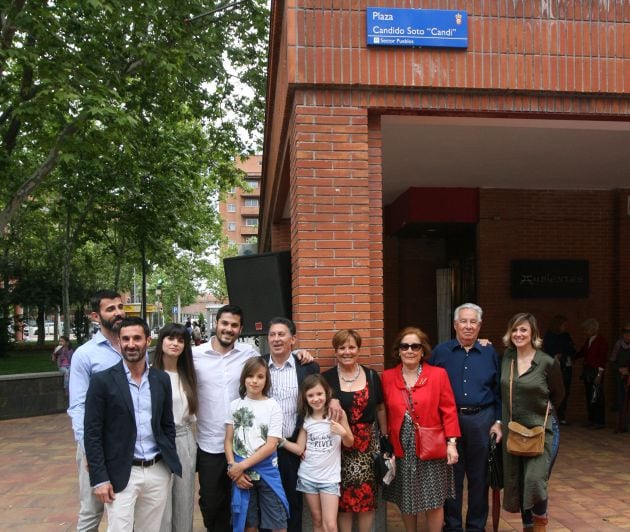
x=239, y=210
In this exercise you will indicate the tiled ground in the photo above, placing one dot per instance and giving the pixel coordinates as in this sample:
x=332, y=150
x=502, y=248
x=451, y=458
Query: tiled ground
x=590, y=486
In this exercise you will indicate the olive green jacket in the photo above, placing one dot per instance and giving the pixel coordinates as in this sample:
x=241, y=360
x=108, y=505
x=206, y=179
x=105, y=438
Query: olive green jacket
x=541, y=383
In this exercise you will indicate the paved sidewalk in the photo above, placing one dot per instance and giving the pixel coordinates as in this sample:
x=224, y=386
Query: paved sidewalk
x=589, y=489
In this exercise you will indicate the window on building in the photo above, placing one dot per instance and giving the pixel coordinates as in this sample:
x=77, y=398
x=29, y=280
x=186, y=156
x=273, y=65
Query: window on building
x=252, y=183
x=231, y=226
x=251, y=222
x=251, y=202
x=231, y=207
x=232, y=190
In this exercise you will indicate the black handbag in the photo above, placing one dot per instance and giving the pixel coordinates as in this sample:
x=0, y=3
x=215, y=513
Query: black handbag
x=495, y=464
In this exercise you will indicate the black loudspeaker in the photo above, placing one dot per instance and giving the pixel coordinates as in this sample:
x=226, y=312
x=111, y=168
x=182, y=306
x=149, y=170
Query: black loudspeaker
x=261, y=286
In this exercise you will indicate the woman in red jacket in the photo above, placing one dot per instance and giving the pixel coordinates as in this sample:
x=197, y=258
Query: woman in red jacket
x=417, y=393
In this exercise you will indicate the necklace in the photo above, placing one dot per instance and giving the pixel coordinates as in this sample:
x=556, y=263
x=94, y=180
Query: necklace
x=418, y=372
x=351, y=380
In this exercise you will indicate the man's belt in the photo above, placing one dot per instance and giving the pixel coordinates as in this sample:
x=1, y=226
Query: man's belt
x=467, y=410
x=147, y=463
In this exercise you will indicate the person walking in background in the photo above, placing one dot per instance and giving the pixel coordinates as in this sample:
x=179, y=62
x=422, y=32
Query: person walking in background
x=253, y=431
x=130, y=435
x=620, y=362
x=358, y=389
x=319, y=442
x=173, y=354
x=531, y=384
x=558, y=343
x=100, y=353
x=418, y=393
x=62, y=355
x=474, y=372
x=595, y=354
x=196, y=333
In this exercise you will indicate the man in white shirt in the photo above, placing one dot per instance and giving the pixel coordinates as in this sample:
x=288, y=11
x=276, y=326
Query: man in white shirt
x=218, y=366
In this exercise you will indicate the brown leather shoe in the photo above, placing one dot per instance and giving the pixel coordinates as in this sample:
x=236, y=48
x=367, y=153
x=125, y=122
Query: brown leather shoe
x=540, y=523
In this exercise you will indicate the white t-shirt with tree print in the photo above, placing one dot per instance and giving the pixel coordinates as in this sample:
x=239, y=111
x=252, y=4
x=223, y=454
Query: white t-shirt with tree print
x=253, y=422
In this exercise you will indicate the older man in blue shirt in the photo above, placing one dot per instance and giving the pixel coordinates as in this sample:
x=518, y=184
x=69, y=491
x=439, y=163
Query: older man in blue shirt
x=100, y=353
x=473, y=370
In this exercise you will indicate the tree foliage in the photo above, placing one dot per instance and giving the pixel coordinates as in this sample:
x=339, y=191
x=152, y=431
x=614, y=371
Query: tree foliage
x=99, y=67
x=119, y=124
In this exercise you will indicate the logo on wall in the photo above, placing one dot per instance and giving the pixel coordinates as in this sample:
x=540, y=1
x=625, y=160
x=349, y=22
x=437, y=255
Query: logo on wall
x=549, y=278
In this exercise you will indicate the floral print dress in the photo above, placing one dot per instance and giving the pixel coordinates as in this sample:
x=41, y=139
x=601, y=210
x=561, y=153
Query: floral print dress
x=359, y=489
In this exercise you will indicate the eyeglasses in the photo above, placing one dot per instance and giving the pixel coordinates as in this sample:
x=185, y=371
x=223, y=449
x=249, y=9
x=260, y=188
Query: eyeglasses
x=626, y=331
x=413, y=347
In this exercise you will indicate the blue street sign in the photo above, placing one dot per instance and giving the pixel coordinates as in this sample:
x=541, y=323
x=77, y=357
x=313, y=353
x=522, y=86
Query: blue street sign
x=388, y=26
x=175, y=310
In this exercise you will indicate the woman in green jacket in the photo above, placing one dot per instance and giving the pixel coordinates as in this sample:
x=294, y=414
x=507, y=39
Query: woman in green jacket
x=536, y=383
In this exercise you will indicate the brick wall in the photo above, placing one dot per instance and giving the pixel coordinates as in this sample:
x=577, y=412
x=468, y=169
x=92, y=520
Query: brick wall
x=337, y=269
x=544, y=224
x=527, y=45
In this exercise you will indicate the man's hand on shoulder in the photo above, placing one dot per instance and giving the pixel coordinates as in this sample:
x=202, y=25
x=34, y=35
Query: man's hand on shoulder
x=304, y=357
x=105, y=493
x=484, y=342
x=335, y=412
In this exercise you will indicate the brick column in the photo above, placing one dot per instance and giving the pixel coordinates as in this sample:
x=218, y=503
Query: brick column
x=336, y=228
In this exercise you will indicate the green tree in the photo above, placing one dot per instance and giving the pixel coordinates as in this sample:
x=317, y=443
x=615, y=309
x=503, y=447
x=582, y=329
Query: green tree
x=72, y=68
x=213, y=273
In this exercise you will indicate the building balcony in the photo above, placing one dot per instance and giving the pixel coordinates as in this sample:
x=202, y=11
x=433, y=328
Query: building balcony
x=249, y=230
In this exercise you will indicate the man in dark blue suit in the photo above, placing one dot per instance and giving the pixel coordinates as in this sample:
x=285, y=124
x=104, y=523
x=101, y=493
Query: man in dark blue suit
x=129, y=435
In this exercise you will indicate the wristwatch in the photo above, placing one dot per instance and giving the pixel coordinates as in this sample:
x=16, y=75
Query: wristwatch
x=451, y=440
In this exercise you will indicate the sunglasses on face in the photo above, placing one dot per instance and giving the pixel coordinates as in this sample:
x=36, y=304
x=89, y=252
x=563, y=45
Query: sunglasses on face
x=413, y=347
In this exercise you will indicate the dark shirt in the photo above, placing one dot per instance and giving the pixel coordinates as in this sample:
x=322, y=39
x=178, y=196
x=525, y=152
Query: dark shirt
x=559, y=343
x=474, y=375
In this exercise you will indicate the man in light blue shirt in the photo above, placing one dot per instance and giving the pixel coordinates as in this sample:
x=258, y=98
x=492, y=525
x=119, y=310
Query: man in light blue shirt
x=100, y=353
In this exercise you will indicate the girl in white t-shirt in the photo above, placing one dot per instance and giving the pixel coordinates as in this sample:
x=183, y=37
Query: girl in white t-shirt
x=319, y=441
x=251, y=438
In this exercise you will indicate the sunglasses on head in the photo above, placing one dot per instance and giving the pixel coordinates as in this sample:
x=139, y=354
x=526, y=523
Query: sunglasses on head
x=413, y=347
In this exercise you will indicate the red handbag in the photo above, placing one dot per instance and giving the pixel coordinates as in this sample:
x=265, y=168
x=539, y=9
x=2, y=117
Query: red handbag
x=430, y=441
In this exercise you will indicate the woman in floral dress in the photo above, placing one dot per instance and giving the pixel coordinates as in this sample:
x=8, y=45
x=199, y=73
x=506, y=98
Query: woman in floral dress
x=358, y=389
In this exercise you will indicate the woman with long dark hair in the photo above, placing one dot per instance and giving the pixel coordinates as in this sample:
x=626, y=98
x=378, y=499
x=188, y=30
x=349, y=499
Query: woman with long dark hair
x=173, y=354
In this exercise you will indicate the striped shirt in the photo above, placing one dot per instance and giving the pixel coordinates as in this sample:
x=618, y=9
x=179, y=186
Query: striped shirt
x=284, y=389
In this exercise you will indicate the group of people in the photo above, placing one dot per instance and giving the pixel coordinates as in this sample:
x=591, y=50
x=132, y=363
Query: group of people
x=265, y=432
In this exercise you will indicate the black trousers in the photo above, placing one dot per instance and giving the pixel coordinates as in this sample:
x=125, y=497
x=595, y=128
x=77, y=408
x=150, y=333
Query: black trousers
x=596, y=410
x=473, y=449
x=214, y=491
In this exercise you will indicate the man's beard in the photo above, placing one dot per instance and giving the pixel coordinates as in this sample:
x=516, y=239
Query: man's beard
x=111, y=325
x=224, y=343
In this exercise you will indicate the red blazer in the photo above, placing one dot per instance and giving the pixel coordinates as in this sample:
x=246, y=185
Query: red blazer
x=595, y=356
x=432, y=397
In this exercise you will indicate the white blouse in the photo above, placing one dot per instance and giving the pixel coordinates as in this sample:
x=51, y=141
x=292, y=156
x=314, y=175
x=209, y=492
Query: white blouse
x=180, y=402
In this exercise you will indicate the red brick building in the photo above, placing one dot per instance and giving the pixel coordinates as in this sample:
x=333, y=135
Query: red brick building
x=406, y=181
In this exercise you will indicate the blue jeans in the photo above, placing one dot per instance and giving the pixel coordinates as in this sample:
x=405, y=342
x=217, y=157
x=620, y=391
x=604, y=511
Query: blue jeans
x=540, y=508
